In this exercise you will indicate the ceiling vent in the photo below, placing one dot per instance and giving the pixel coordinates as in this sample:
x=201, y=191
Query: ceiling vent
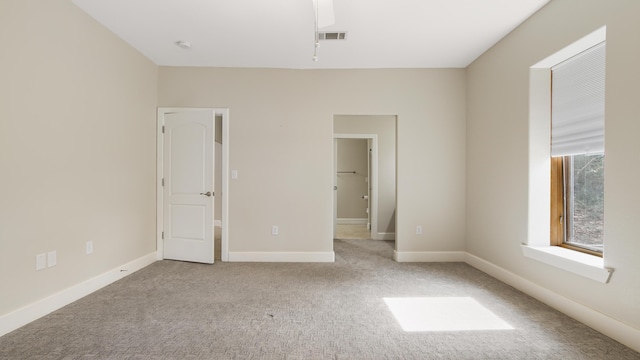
x=332, y=35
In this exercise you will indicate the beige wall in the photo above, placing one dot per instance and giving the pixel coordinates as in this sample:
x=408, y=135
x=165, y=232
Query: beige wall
x=281, y=143
x=384, y=126
x=497, y=150
x=352, y=156
x=77, y=149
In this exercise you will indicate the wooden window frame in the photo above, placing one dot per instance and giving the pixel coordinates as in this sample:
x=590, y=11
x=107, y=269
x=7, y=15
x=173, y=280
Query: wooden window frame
x=557, y=202
x=558, y=209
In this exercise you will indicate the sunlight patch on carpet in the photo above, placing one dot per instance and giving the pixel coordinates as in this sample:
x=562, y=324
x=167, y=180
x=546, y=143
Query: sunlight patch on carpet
x=443, y=314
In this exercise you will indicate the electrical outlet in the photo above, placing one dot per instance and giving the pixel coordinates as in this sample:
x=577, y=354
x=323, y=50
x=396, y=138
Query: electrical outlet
x=52, y=259
x=274, y=230
x=41, y=261
x=419, y=230
x=89, y=247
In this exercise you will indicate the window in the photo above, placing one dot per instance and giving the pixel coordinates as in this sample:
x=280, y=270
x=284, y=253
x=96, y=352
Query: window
x=577, y=150
x=578, y=202
x=550, y=142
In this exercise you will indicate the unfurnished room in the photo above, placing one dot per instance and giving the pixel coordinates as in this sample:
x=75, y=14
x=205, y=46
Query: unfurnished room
x=319, y=179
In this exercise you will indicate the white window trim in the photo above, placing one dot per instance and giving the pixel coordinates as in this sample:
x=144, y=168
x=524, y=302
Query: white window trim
x=538, y=244
x=589, y=266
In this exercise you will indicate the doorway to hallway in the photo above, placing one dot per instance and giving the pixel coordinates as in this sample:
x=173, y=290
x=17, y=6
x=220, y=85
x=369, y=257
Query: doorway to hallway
x=353, y=185
x=364, y=173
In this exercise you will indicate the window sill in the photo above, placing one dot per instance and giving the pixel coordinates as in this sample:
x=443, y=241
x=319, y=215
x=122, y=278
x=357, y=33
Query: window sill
x=589, y=266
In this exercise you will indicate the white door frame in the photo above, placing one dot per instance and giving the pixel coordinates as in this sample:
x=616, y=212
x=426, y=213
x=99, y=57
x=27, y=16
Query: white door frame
x=374, y=179
x=225, y=171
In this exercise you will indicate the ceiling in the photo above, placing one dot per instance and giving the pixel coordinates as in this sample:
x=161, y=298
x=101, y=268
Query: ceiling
x=281, y=33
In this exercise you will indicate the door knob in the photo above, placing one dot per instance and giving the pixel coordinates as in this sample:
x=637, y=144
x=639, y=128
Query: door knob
x=208, y=193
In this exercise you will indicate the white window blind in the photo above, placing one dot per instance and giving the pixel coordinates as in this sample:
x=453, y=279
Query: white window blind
x=577, y=98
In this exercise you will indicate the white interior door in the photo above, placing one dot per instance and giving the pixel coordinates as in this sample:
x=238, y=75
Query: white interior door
x=188, y=170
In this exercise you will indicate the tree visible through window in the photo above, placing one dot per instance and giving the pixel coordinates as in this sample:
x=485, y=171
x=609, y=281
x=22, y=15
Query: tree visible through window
x=584, y=201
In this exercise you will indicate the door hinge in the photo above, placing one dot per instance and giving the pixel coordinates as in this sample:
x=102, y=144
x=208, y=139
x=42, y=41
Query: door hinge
x=163, y=129
x=163, y=234
x=162, y=181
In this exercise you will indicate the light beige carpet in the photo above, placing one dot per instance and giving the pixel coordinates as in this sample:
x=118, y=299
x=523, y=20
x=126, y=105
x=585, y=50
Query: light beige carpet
x=180, y=310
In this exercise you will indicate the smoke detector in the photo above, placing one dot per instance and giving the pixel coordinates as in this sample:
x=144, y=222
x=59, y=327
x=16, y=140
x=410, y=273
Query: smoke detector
x=183, y=44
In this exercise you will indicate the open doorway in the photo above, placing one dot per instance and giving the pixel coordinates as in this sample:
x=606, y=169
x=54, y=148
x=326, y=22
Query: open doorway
x=217, y=222
x=364, y=176
x=354, y=180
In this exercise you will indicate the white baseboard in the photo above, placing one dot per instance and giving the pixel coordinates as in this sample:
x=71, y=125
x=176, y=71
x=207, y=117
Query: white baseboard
x=351, y=221
x=40, y=308
x=429, y=256
x=610, y=327
x=282, y=256
x=383, y=236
